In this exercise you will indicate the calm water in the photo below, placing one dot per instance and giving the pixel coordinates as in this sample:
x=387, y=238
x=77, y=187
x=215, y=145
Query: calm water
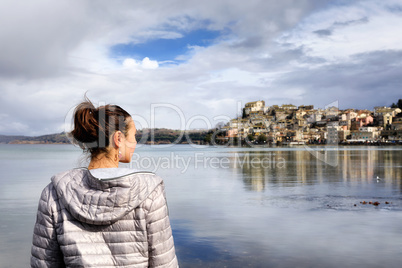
x=236, y=207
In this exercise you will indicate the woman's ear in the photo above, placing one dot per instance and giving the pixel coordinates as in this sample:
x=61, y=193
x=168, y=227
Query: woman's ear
x=117, y=138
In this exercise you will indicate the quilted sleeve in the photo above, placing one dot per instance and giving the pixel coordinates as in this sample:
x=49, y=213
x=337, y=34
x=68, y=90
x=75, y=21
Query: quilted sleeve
x=45, y=250
x=160, y=240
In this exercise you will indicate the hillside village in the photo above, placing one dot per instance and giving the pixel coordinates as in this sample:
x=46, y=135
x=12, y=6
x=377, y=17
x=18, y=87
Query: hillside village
x=290, y=124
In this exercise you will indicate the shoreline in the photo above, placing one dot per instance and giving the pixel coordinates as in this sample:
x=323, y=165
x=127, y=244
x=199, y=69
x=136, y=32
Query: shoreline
x=385, y=144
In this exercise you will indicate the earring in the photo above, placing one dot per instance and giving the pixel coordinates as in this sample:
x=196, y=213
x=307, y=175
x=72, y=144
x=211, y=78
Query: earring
x=120, y=155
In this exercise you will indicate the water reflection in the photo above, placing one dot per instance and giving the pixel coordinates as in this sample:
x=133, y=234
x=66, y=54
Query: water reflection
x=195, y=251
x=285, y=168
x=262, y=208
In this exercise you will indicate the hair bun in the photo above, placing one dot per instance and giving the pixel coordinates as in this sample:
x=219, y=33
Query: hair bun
x=85, y=122
x=93, y=127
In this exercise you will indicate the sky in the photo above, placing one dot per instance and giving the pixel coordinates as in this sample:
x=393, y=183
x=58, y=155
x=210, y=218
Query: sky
x=190, y=64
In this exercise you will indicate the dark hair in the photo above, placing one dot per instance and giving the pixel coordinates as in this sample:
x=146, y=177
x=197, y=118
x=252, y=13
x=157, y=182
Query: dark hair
x=94, y=126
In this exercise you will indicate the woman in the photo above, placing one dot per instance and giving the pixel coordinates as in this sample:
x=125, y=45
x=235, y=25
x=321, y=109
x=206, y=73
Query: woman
x=102, y=216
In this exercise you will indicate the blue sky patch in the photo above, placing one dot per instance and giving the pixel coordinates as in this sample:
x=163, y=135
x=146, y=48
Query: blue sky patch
x=165, y=49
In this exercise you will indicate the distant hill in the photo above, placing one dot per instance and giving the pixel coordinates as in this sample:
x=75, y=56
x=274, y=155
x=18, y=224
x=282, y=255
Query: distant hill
x=164, y=135
x=60, y=138
x=160, y=136
x=7, y=139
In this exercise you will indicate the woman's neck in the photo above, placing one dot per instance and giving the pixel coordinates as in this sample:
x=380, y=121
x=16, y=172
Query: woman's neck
x=103, y=162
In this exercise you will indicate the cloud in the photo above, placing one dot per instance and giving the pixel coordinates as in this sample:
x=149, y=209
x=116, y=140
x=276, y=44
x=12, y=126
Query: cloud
x=301, y=52
x=37, y=36
x=149, y=64
x=323, y=32
x=364, y=27
x=363, y=20
x=9, y=126
x=146, y=63
x=336, y=24
x=130, y=63
x=370, y=79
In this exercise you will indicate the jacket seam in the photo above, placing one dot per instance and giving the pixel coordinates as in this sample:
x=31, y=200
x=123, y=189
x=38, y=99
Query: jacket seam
x=103, y=242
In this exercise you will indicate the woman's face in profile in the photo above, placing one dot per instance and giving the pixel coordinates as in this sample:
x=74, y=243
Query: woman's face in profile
x=129, y=143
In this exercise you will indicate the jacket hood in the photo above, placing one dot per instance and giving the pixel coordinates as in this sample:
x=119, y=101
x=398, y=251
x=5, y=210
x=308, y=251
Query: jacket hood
x=102, y=202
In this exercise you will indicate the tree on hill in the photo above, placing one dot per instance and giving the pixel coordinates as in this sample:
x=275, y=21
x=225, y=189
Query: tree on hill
x=397, y=105
x=250, y=137
x=261, y=138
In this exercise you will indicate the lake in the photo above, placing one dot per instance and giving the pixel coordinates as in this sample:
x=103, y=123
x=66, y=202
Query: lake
x=240, y=207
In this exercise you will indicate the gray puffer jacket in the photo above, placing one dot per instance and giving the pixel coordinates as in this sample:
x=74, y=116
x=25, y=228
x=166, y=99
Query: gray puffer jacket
x=86, y=222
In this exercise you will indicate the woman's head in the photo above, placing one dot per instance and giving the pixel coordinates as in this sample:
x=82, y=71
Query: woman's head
x=104, y=131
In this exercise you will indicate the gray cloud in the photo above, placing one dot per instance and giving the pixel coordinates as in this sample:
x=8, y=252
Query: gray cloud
x=335, y=25
x=323, y=32
x=39, y=37
x=370, y=79
x=351, y=22
x=54, y=51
